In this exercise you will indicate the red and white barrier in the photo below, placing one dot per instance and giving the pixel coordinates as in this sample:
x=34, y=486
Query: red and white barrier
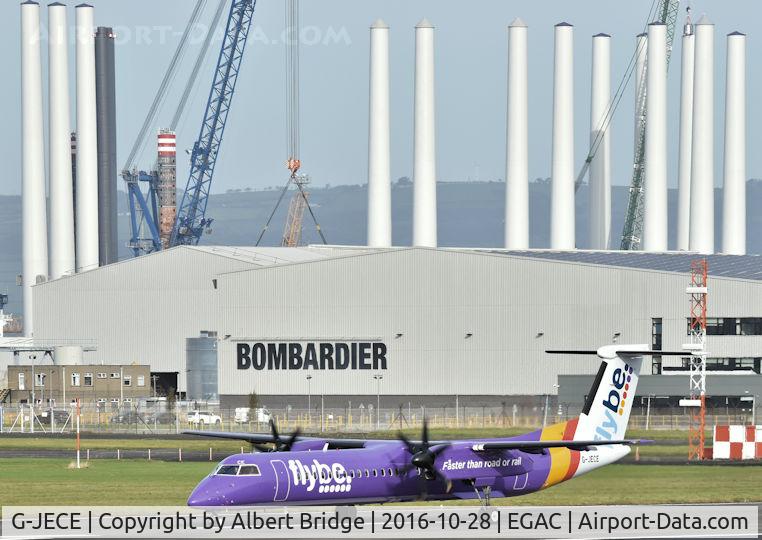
x=737, y=442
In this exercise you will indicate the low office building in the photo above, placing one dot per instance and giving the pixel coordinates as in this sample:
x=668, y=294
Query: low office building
x=58, y=385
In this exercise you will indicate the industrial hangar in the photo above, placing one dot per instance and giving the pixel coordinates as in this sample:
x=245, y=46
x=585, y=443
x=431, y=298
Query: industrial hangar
x=432, y=322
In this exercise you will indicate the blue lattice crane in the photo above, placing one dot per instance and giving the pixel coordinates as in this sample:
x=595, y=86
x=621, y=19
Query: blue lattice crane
x=190, y=222
x=191, y=219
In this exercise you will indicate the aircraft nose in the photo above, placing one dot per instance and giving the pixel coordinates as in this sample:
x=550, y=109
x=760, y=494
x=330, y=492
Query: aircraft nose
x=207, y=493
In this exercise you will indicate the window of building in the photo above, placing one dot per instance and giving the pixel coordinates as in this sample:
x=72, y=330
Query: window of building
x=732, y=326
x=724, y=364
x=141, y=380
x=75, y=379
x=88, y=379
x=115, y=375
x=128, y=380
x=751, y=326
x=39, y=379
x=22, y=381
x=102, y=375
x=745, y=363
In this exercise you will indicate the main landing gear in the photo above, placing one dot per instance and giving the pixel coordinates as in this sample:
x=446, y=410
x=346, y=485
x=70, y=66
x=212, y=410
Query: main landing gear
x=483, y=495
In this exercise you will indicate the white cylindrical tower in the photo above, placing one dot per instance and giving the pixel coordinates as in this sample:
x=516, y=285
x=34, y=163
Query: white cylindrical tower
x=379, y=157
x=702, y=152
x=87, y=143
x=424, y=168
x=686, y=126
x=61, y=193
x=33, y=213
x=600, y=167
x=517, y=154
x=641, y=51
x=655, y=181
x=562, y=164
x=734, y=186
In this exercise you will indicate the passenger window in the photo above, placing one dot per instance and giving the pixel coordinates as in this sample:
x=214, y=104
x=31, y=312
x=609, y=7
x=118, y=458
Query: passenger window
x=375, y=473
x=367, y=473
x=383, y=472
x=248, y=470
x=390, y=472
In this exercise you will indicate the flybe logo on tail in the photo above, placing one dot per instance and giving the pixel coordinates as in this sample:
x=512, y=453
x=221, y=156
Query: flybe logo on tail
x=615, y=403
x=329, y=478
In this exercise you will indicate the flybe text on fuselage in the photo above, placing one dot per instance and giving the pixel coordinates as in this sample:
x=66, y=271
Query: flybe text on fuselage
x=311, y=355
x=328, y=478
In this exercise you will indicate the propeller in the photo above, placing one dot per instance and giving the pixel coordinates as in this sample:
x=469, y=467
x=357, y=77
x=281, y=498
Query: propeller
x=423, y=458
x=279, y=444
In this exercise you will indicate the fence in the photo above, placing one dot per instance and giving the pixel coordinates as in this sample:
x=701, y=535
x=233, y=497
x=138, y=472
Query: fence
x=139, y=420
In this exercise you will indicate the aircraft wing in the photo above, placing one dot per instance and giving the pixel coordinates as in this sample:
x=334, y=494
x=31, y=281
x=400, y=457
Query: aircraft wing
x=263, y=438
x=530, y=446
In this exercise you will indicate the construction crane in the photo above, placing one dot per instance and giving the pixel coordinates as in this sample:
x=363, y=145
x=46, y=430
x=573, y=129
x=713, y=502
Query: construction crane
x=632, y=231
x=190, y=222
x=144, y=213
x=191, y=219
x=292, y=231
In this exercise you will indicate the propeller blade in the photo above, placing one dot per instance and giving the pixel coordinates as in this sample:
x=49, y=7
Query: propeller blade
x=408, y=444
x=446, y=481
x=292, y=439
x=274, y=431
x=425, y=432
x=439, y=449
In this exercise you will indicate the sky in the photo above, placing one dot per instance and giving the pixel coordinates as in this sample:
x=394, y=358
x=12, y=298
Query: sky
x=471, y=88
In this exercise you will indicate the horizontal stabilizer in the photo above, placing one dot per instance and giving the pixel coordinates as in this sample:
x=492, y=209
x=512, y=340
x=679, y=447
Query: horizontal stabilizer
x=539, y=445
x=645, y=352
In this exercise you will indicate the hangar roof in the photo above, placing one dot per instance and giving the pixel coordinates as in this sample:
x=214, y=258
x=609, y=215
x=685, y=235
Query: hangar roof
x=266, y=256
x=728, y=266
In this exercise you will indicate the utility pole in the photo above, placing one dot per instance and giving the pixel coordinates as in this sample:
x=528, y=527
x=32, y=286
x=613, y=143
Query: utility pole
x=309, y=400
x=378, y=378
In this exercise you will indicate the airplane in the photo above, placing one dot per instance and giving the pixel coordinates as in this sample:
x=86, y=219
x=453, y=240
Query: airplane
x=300, y=470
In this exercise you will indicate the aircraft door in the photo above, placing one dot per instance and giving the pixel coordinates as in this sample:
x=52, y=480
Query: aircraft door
x=520, y=481
x=282, y=480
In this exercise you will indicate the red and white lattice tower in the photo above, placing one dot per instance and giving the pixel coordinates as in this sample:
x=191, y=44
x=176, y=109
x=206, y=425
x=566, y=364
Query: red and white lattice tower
x=167, y=188
x=697, y=360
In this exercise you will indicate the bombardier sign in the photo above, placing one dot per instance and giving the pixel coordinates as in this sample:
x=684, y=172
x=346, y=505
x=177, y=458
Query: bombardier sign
x=312, y=355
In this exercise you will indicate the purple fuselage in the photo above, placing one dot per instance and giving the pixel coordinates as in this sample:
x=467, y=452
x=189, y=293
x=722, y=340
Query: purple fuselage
x=380, y=472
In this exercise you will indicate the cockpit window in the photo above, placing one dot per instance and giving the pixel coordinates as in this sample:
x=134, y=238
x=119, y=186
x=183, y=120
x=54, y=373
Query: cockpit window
x=248, y=470
x=228, y=470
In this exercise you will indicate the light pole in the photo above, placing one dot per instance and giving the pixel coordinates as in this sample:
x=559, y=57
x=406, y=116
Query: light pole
x=545, y=411
x=753, y=400
x=378, y=378
x=309, y=400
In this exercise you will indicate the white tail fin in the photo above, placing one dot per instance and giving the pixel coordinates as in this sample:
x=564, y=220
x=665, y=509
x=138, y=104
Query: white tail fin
x=608, y=405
